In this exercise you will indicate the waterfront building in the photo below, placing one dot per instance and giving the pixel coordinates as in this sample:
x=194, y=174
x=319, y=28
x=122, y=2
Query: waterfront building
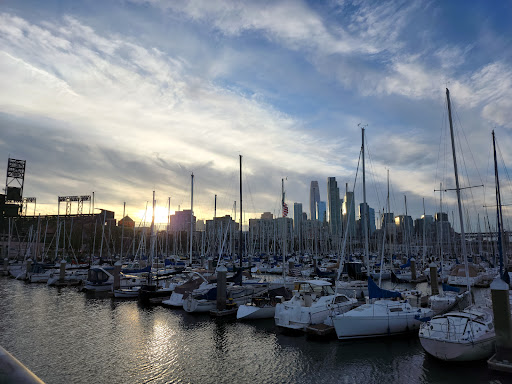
x=334, y=207
x=443, y=229
x=267, y=216
x=427, y=222
x=126, y=222
x=371, y=219
x=180, y=221
x=200, y=225
x=405, y=228
x=349, y=212
x=297, y=218
x=320, y=211
x=314, y=198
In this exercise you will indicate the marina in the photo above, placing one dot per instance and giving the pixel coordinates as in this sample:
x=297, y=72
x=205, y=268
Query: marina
x=256, y=192
x=66, y=336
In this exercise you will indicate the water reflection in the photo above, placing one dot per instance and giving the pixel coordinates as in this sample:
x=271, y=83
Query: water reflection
x=66, y=336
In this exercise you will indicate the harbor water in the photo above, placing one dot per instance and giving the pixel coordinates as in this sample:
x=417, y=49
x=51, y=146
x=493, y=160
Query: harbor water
x=65, y=336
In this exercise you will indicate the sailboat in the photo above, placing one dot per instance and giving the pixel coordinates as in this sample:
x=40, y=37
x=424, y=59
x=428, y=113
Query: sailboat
x=312, y=303
x=384, y=315
x=469, y=334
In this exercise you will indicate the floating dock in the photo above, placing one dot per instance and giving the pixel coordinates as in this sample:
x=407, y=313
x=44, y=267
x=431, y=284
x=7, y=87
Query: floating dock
x=320, y=330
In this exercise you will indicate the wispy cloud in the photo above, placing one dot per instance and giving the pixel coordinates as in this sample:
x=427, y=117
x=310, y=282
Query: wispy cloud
x=134, y=101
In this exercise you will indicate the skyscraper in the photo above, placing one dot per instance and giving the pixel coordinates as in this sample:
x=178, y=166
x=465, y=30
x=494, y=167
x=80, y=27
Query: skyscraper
x=314, y=197
x=297, y=217
x=371, y=219
x=333, y=208
x=320, y=211
x=349, y=212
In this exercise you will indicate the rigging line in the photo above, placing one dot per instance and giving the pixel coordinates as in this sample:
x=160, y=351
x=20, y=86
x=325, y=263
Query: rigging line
x=473, y=200
x=441, y=142
x=488, y=172
x=469, y=148
x=464, y=198
x=246, y=182
x=372, y=173
x=503, y=163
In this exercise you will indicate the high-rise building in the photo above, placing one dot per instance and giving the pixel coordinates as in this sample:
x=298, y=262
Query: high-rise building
x=333, y=206
x=314, y=198
x=371, y=219
x=405, y=228
x=200, y=225
x=349, y=212
x=320, y=211
x=297, y=217
x=180, y=221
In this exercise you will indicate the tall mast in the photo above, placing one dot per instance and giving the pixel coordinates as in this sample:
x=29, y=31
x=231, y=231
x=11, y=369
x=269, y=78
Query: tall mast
x=424, y=229
x=406, y=237
x=168, y=226
x=215, y=227
x=457, y=188
x=498, y=206
x=191, y=213
x=122, y=231
x=284, y=227
x=441, y=220
x=365, y=213
x=241, y=216
x=152, y=241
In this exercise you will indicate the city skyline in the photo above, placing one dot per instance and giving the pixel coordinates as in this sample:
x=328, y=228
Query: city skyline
x=123, y=105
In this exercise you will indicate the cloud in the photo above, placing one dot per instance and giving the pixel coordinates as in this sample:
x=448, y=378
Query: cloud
x=121, y=101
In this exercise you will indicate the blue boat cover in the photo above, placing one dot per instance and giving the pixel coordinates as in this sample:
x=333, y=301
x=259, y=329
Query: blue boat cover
x=375, y=292
x=447, y=287
x=506, y=277
x=408, y=264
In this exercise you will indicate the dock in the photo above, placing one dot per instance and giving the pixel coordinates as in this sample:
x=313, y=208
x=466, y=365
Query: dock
x=228, y=312
x=499, y=365
x=320, y=330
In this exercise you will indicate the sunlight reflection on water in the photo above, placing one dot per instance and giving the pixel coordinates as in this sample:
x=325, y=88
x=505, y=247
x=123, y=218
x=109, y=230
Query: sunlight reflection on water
x=65, y=336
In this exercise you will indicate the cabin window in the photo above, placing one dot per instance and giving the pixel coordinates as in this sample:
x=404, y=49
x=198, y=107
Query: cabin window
x=395, y=309
x=340, y=299
x=91, y=275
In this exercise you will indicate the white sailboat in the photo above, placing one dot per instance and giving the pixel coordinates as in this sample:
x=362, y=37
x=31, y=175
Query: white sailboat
x=384, y=315
x=388, y=315
x=465, y=335
x=312, y=303
x=263, y=306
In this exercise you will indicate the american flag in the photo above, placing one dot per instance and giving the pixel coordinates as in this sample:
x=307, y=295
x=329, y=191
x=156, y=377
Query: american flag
x=285, y=209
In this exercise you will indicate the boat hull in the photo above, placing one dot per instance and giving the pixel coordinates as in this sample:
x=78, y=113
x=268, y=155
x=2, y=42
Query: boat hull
x=378, y=326
x=252, y=312
x=455, y=351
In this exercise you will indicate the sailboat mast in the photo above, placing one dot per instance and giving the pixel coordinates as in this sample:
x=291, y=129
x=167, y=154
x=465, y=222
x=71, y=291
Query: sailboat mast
x=284, y=227
x=122, y=231
x=152, y=241
x=365, y=213
x=241, y=216
x=441, y=221
x=191, y=213
x=457, y=188
x=424, y=229
x=498, y=206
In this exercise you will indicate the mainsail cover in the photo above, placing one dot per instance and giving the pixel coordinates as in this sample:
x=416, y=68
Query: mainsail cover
x=375, y=292
x=447, y=288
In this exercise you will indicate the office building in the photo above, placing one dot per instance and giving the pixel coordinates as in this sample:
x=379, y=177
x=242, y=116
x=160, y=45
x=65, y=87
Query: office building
x=314, y=198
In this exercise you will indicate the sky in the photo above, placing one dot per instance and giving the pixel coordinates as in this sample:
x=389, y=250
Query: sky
x=124, y=97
